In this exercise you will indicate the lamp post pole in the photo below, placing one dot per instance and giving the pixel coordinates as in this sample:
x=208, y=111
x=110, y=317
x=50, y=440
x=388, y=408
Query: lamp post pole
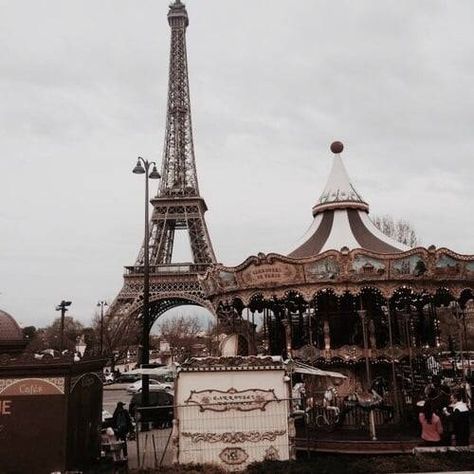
x=63, y=308
x=101, y=304
x=142, y=167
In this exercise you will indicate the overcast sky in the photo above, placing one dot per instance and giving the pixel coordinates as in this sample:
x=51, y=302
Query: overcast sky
x=83, y=86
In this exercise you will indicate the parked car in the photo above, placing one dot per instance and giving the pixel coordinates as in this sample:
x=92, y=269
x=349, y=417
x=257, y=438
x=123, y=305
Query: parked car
x=154, y=385
x=166, y=379
x=109, y=378
x=47, y=354
x=127, y=378
x=160, y=410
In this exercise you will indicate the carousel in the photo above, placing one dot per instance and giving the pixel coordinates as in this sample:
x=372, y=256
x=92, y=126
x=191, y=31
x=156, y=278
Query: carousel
x=351, y=299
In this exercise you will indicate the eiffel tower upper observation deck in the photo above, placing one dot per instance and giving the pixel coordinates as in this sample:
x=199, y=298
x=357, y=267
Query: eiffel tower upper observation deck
x=177, y=206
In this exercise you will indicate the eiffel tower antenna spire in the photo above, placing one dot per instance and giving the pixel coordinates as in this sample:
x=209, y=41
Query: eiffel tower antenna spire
x=177, y=206
x=178, y=168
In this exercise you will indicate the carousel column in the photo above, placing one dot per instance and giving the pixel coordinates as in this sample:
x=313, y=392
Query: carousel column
x=363, y=317
x=310, y=313
x=396, y=400
x=287, y=326
x=406, y=315
x=327, y=335
x=459, y=316
x=265, y=331
x=372, y=338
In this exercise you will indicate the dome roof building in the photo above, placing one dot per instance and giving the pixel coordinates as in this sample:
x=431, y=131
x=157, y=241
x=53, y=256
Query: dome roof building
x=11, y=335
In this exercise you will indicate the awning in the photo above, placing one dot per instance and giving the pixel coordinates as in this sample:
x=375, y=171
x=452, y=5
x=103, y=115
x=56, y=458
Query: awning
x=153, y=371
x=301, y=368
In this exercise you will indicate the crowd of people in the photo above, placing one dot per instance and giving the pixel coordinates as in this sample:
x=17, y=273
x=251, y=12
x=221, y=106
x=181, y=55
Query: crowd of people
x=445, y=414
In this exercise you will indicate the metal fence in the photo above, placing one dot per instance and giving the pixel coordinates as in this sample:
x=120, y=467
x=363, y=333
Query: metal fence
x=232, y=434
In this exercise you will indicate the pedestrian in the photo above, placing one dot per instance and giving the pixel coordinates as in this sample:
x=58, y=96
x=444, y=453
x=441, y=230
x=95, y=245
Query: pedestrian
x=431, y=427
x=459, y=416
x=122, y=424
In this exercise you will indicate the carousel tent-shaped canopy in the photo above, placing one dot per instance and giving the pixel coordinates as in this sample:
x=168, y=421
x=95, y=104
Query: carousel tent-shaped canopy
x=341, y=219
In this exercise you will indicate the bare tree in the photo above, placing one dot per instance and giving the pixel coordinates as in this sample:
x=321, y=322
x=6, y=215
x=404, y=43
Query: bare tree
x=50, y=336
x=400, y=230
x=181, y=331
x=119, y=335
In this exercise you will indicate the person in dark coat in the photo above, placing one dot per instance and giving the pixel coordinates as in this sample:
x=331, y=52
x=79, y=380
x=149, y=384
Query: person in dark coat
x=122, y=425
x=459, y=416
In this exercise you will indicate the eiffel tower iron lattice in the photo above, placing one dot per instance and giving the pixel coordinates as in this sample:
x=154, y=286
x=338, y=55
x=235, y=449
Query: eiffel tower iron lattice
x=177, y=206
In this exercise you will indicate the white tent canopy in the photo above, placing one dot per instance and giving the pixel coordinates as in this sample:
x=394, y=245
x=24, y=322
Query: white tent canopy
x=300, y=368
x=154, y=371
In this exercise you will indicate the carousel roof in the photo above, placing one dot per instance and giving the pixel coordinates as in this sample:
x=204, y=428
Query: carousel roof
x=341, y=219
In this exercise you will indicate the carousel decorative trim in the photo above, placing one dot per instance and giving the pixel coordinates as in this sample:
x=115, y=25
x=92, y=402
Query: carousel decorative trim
x=422, y=270
x=310, y=353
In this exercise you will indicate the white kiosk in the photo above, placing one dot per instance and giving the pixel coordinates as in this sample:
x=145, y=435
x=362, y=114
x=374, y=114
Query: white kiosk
x=232, y=411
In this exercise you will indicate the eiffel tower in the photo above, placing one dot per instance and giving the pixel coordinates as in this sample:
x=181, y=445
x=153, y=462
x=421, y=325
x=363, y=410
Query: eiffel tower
x=178, y=206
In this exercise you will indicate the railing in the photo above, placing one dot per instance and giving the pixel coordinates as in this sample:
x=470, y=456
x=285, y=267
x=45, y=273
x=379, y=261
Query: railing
x=171, y=269
x=351, y=413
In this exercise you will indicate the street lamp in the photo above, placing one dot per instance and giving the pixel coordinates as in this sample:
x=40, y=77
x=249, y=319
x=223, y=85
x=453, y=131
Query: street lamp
x=142, y=167
x=101, y=304
x=63, y=308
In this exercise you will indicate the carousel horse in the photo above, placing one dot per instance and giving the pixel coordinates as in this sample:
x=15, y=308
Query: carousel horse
x=368, y=401
x=329, y=399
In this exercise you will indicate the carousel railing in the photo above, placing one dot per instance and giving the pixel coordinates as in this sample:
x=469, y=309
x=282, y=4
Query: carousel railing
x=346, y=413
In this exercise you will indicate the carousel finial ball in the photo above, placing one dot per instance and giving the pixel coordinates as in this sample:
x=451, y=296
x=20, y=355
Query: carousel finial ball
x=337, y=147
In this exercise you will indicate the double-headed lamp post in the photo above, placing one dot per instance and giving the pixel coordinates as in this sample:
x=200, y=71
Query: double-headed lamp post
x=142, y=167
x=101, y=304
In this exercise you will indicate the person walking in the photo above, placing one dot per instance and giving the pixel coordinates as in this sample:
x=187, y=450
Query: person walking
x=459, y=416
x=122, y=425
x=431, y=427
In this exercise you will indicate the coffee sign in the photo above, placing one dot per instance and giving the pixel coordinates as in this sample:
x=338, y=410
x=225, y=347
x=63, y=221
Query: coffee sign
x=31, y=386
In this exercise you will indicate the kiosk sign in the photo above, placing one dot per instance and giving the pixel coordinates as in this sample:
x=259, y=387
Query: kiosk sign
x=232, y=399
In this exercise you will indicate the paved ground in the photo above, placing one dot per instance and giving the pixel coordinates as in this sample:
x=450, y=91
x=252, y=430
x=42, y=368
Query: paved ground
x=113, y=394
